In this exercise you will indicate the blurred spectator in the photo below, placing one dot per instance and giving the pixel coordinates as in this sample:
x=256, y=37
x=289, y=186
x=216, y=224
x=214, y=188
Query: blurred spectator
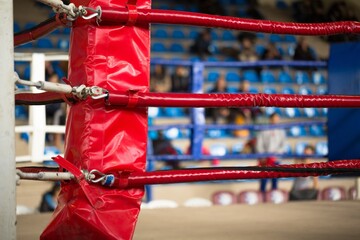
x=247, y=48
x=164, y=146
x=305, y=188
x=244, y=115
x=203, y=44
x=272, y=141
x=307, y=11
x=252, y=10
x=54, y=112
x=211, y=7
x=180, y=81
x=49, y=199
x=158, y=81
x=340, y=11
x=271, y=53
x=206, y=152
x=303, y=51
x=217, y=114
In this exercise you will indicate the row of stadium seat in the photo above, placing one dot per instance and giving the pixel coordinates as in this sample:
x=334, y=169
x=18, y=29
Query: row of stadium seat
x=268, y=76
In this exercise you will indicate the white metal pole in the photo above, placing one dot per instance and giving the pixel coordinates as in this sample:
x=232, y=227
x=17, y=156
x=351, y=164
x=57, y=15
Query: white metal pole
x=37, y=115
x=7, y=124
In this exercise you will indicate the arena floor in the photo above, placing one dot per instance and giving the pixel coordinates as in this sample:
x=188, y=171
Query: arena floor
x=301, y=220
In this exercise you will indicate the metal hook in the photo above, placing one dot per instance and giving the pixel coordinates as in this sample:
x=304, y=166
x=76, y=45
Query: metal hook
x=96, y=13
x=95, y=173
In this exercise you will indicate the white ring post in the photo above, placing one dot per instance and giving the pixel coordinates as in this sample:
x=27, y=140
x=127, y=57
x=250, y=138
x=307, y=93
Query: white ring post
x=37, y=115
x=7, y=124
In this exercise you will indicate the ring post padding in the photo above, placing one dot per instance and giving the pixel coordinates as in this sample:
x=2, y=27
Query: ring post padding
x=115, y=58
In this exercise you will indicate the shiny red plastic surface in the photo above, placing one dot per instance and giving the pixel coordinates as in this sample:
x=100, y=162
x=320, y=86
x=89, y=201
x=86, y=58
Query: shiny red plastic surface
x=140, y=99
x=111, y=16
x=114, y=58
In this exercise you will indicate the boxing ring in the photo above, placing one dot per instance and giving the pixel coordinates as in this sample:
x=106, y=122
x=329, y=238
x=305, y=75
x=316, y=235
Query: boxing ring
x=103, y=171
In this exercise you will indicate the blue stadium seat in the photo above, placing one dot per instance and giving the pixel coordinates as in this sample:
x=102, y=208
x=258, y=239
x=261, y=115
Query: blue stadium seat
x=300, y=147
x=281, y=50
x=323, y=112
x=322, y=90
x=269, y=90
x=51, y=150
x=267, y=76
x=213, y=76
x=253, y=89
x=228, y=36
x=178, y=34
x=288, y=149
x=214, y=35
x=63, y=44
x=30, y=25
x=160, y=33
x=153, y=135
x=321, y=148
x=232, y=77
x=179, y=7
x=297, y=131
x=275, y=38
x=212, y=59
x=290, y=39
x=16, y=27
x=303, y=90
x=318, y=78
x=153, y=112
x=259, y=49
x=20, y=112
x=66, y=30
x=237, y=148
x=285, y=77
x=317, y=131
x=27, y=73
x=271, y=110
x=311, y=112
x=44, y=43
x=291, y=50
x=260, y=35
x=216, y=133
x=288, y=90
x=292, y=112
x=25, y=136
x=218, y=149
x=232, y=90
x=174, y=112
x=301, y=77
x=158, y=47
x=251, y=76
x=172, y=133
x=177, y=47
x=193, y=34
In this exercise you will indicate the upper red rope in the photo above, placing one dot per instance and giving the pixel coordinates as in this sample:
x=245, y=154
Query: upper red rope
x=146, y=16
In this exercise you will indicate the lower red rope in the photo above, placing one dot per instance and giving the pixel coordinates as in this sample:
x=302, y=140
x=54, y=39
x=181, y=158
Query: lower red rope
x=229, y=100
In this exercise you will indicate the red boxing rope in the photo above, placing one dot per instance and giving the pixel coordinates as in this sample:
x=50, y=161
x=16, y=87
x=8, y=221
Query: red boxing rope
x=137, y=179
x=40, y=30
x=141, y=99
x=145, y=16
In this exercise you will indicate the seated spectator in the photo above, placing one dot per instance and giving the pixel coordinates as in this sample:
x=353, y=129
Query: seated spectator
x=180, y=81
x=211, y=7
x=203, y=44
x=305, y=188
x=247, y=48
x=303, y=51
x=158, y=79
x=307, y=11
x=217, y=114
x=271, y=53
x=163, y=146
x=244, y=115
x=49, y=199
